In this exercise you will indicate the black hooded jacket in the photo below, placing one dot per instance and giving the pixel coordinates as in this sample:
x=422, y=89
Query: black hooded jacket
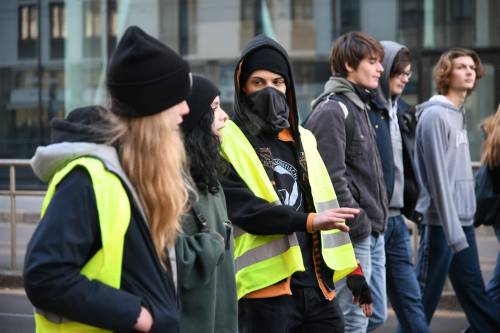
x=68, y=235
x=255, y=215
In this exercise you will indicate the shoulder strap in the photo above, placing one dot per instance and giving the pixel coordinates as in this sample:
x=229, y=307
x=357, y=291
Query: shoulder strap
x=349, y=119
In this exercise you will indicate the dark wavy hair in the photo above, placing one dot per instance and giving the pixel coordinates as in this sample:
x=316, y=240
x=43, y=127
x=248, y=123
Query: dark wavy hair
x=203, y=153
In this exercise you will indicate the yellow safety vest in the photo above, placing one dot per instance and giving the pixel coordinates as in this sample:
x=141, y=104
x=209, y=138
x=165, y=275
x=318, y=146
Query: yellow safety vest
x=113, y=207
x=260, y=260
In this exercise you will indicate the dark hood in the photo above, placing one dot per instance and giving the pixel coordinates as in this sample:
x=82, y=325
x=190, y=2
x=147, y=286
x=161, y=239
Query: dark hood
x=85, y=124
x=262, y=41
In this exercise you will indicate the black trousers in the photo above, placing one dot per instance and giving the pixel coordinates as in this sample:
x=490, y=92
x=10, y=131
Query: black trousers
x=306, y=311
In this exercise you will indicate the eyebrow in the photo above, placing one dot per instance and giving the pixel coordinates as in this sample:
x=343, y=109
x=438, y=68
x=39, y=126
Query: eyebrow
x=261, y=78
x=463, y=63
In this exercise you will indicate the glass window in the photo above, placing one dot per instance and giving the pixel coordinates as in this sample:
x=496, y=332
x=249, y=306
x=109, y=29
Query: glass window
x=409, y=23
x=302, y=25
x=57, y=30
x=188, y=26
x=347, y=16
x=449, y=23
x=78, y=37
x=92, y=28
x=247, y=21
x=28, y=31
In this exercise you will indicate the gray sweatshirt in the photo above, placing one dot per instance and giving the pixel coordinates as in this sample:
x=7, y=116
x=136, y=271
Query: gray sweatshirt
x=444, y=169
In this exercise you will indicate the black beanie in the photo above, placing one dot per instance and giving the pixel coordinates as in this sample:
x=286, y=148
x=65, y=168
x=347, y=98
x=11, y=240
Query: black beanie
x=266, y=58
x=202, y=95
x=145, y=75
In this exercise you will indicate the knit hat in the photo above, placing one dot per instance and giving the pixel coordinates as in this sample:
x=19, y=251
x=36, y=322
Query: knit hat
x=202, y=95
x=145, y=76
x=264, y=58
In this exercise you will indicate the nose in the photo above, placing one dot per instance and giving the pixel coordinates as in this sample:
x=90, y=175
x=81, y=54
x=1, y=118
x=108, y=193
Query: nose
x=224, y=117
x=380, y=68
x=184, y=108
x=405, y=79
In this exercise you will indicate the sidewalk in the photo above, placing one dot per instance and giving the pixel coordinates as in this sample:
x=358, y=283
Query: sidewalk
x=448, y=318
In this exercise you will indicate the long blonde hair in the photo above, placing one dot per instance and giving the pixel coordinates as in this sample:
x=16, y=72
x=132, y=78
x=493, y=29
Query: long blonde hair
x=153, y=157
x=491, y=146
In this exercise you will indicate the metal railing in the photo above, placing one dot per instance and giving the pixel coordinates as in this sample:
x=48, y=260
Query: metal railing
x=12, y=192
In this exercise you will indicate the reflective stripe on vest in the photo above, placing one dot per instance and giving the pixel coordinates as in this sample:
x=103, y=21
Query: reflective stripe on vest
x=113, y=208
x=280, y=254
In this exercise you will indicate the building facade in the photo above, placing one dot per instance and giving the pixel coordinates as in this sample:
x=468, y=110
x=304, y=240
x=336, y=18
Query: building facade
x=54, y=52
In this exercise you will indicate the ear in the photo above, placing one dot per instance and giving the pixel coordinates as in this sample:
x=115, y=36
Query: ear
x=348, y=67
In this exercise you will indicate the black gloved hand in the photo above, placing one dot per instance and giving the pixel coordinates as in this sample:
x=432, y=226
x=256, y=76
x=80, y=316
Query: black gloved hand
x=359, y=288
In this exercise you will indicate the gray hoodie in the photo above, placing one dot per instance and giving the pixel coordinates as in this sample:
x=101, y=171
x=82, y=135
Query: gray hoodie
x=444, y=169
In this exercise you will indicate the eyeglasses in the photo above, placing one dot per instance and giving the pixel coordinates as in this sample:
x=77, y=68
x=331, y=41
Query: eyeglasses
x=407, y=74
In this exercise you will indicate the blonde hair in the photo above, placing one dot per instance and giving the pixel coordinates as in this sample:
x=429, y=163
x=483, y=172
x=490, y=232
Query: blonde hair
x=491, y=146
x=153, y=157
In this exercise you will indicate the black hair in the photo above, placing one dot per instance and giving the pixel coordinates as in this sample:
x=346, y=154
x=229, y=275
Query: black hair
x=204, y=159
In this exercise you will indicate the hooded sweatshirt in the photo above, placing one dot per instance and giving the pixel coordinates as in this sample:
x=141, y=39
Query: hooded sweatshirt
x=354, y=167
x=444, y=169
x=284, y=161
x=69, y=235
x=384, y=118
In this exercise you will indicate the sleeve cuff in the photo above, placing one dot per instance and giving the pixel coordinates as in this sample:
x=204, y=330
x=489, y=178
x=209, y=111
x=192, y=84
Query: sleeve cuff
x=309, y=225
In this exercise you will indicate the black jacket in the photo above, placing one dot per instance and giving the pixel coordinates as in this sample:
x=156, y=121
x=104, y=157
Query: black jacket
x=380, y=120
x=354, y=167
x=69, y=235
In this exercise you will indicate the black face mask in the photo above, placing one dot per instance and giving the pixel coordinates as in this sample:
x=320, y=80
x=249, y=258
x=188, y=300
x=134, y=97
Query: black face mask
x=267, y=110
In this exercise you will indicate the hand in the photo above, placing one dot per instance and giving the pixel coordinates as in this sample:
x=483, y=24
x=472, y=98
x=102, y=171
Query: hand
x=361, y=294
x=144, y=321
x=334, y=219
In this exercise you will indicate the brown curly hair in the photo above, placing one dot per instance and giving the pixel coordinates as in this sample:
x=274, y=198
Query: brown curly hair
x=444, y=66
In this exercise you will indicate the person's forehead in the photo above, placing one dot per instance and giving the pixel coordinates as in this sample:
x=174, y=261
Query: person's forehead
x=407, y=67
x=463, y=60
x=265, y=74
x=372, y=56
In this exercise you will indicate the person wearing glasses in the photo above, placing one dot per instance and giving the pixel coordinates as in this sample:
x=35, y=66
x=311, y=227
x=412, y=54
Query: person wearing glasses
x=394, y=124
